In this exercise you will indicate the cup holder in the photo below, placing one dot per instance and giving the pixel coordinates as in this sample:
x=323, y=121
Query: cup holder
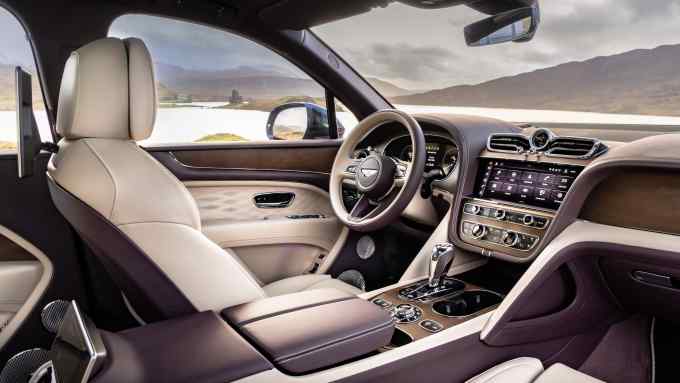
x=399, y=338
x=467, y=303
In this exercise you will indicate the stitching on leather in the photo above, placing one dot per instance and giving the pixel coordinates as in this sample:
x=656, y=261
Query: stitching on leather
x=266, y=316
x=289, y=358
x=108, y=171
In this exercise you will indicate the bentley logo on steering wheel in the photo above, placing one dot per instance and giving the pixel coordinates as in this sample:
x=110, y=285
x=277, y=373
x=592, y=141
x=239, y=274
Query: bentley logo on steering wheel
x=368, y=172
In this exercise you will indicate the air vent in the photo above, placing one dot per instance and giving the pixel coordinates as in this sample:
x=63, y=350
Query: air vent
x=508, y=143
x=575, y=147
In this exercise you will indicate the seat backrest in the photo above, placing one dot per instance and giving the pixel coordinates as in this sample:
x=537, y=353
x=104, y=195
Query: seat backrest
x=135, y=215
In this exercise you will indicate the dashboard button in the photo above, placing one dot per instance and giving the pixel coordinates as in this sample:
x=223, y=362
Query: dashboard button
x=509, y=189
x=529, y=176
x=513, y=175
x=557, y=196
x=495, y=187
x=525, y=192
x=541, y=194
x=547, y=179
x=431, y=326
x=563, y=183
x=499, y=174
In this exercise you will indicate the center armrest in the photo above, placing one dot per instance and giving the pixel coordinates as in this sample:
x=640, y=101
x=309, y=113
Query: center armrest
x=262, y=308
x=310, y=330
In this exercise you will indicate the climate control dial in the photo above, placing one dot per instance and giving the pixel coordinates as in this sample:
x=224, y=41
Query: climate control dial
x=510, y=238
x=478, y=231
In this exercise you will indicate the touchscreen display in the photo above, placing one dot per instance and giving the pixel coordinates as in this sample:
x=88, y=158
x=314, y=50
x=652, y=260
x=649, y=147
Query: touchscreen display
x=536, y=184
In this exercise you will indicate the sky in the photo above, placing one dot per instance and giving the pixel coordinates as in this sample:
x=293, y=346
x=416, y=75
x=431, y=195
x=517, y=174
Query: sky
x=14, y=46
x=412, y=48
x=425, y=49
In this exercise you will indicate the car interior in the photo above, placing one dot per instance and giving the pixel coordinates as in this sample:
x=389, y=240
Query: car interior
x=408, y=247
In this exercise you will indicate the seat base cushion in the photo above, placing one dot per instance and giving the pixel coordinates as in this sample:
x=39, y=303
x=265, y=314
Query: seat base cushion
x=530, y=370
x=307, y=282
x=520, y=370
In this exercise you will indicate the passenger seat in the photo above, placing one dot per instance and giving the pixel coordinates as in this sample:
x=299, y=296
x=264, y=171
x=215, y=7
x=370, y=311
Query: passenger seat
x=530, y=370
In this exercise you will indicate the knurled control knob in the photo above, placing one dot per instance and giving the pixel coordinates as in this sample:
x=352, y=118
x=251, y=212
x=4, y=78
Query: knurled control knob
x=510, y=238
x=475, y=209
x=529, y=220
x=406, y=313
x=499, y=214
x=478, y=231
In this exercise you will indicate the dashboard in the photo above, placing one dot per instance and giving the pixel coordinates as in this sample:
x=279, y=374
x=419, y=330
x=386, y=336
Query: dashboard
x=441, y=152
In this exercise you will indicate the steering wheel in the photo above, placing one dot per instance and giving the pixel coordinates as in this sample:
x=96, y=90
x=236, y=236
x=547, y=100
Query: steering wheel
x=386, y=187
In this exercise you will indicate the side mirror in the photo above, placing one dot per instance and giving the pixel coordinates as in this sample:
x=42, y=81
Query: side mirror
x=518, y=25
x=299, y=121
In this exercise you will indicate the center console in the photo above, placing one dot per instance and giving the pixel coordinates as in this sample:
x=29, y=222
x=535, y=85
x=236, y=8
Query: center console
x=513, y=205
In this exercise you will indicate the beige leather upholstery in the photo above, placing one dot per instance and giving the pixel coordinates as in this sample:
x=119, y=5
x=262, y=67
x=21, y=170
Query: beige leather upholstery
x=520, y=370
x=307, y=282
x=561, y=373
x=530, y=370
x=18, y=279
x=107, y=101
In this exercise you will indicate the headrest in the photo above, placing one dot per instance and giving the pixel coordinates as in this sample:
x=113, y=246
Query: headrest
x=108, y=90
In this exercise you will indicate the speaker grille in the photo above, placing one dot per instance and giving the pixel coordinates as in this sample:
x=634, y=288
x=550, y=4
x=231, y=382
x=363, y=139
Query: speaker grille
x=354, y=278
x=53, y=314
x=20, y=367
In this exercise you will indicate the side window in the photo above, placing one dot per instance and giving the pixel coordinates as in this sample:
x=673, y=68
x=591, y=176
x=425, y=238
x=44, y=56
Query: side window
x=15, y=50
x=215, y=86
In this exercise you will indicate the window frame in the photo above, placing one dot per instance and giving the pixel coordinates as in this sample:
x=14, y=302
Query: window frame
x=328, y=93
x=37, y=62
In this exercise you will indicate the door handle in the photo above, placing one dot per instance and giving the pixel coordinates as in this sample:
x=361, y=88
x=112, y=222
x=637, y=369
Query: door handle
x=274, y=200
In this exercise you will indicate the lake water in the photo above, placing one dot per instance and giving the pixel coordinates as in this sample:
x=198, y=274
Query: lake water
x=182, y=125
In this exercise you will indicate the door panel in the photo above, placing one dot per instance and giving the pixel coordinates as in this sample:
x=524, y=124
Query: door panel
x=270, y=241
x=225, y=178
x=25, y=273
x=317, y=156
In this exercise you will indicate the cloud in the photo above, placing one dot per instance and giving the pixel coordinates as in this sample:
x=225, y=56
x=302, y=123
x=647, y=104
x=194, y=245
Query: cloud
x=401, y=60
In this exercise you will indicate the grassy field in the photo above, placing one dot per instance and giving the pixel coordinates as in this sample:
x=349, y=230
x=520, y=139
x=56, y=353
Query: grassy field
x=221, y=137
x=4, y=145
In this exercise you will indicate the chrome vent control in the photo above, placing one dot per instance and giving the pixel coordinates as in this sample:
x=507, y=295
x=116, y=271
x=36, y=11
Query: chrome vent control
x=508, y=143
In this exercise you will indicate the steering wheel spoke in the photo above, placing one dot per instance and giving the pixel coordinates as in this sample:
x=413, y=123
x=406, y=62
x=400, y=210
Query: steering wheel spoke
x=350, y=169
x=367, y=208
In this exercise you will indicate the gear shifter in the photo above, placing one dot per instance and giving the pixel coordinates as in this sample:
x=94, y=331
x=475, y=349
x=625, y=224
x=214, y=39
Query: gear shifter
x=442, y=257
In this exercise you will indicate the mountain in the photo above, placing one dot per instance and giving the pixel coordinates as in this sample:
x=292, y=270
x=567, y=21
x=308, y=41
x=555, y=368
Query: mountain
x=387, y=89
x=642, y=81
x=251, y=82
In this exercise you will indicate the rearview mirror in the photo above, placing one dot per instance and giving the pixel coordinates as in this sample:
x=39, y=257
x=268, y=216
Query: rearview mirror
x=518, y=25
x=299, y=121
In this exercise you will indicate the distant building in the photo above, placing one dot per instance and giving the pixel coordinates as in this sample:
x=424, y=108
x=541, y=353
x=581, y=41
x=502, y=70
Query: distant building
x=235, y=97
x=184, y=98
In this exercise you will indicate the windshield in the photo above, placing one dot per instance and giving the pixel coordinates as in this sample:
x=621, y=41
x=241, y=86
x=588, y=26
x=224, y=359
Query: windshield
x=600, y=61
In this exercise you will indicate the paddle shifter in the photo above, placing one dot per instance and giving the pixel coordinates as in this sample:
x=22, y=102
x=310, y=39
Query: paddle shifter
x=442, y=257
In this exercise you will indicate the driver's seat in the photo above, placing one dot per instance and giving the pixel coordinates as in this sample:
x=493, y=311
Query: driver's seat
x=135, y=215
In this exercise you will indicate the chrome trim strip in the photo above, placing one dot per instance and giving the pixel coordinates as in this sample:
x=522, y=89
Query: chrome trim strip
x=518, y=151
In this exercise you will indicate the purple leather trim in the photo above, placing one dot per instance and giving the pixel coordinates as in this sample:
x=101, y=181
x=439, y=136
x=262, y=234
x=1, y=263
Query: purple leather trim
x=315, y=337
x=245, y=313
x=152, y=294
x=200, y=348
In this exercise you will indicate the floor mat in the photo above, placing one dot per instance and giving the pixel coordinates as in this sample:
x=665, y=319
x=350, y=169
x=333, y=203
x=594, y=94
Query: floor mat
x=624, y=353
